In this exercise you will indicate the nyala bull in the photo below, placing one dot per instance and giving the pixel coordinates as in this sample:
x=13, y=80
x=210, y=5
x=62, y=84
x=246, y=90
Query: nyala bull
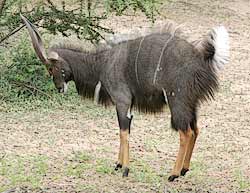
x=145, y=73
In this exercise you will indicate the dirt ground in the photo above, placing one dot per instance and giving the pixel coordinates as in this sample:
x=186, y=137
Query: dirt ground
x=74, y=150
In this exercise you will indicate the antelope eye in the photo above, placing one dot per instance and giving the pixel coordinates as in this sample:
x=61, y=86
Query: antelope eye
x=50, y=71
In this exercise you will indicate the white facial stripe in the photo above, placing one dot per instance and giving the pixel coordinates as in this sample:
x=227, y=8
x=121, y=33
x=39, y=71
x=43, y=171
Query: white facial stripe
x=65, y=87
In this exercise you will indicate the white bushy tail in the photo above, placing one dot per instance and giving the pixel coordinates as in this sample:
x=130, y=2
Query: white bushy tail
x=215, y=47
x=220, y=41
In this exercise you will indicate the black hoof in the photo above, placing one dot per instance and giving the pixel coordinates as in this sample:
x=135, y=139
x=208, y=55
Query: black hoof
x=125, y=173
x=171, y=178
x=184, y=171
x=118, y=166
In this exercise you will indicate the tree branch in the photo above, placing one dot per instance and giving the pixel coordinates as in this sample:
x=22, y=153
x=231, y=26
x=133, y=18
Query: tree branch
x=32, y=88
x=2, y=3
x=12, y=33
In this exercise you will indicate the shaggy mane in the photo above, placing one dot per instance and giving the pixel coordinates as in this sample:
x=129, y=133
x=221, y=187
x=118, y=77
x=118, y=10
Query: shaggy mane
x=113, y=39
x=161, y=28
x=79, y=46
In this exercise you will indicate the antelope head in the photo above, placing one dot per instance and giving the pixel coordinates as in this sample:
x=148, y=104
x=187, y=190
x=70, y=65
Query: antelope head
x=57, y=67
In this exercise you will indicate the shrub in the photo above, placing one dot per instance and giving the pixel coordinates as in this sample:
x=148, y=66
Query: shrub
x=24, y=75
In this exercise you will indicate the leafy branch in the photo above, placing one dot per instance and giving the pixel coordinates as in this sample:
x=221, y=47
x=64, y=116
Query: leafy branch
x=80, y=19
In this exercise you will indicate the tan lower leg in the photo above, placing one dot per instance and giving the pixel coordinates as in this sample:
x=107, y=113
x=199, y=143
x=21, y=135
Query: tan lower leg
x=190, y=149
x=120, y=156
x=125, y=147
x=184, y=141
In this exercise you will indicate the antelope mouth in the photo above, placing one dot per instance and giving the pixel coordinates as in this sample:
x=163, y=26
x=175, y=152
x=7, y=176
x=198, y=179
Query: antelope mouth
x=64, y=88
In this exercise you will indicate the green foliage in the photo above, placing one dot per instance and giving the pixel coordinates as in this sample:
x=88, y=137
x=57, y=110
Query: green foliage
x=55, y=18
x=24, y=75
x=25, y=83
x=148, y=7
x=83, y=19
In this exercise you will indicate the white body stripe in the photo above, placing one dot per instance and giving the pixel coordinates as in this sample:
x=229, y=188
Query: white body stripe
x=136, y=63
x=97, y=92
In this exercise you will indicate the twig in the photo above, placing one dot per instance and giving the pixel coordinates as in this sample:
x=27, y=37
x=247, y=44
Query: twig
x=12, y=190
x=89, y=8
x=50, y=2
x=31, y=87
x=3, y=156
x=12, y=33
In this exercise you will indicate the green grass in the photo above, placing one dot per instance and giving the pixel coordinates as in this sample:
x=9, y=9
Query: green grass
x=78, y=170
x=17, y=170
x=81, y=187
x=198, y=169
x=78, y=164
x=150, y=144
x=70, y=102
x=81, y=157
x=143, y=172
x=82, y=162
x=104, y=166
x=242, y=182
x=30, y=170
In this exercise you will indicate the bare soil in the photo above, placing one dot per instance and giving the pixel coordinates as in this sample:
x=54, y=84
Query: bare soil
x=221, y=159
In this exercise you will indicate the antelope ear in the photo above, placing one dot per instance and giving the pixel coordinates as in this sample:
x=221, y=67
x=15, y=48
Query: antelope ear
x=53, y=56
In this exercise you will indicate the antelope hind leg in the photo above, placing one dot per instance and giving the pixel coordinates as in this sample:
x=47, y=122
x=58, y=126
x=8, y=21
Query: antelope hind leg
x=185, y=137
x=191, y=145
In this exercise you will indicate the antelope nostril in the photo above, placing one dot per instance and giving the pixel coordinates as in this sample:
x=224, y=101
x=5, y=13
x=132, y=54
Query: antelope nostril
x=60, y=89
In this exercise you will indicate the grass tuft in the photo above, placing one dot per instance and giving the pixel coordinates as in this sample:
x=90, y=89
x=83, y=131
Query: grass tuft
x=21, y=171
x=241, y=180
x=104, y=166
x=142, y=172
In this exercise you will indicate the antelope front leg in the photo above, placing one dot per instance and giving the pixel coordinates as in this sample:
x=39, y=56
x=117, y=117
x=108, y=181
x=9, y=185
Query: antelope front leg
x=125, y=158
x=124, y=124
x=185, y=137
x=120, y=155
